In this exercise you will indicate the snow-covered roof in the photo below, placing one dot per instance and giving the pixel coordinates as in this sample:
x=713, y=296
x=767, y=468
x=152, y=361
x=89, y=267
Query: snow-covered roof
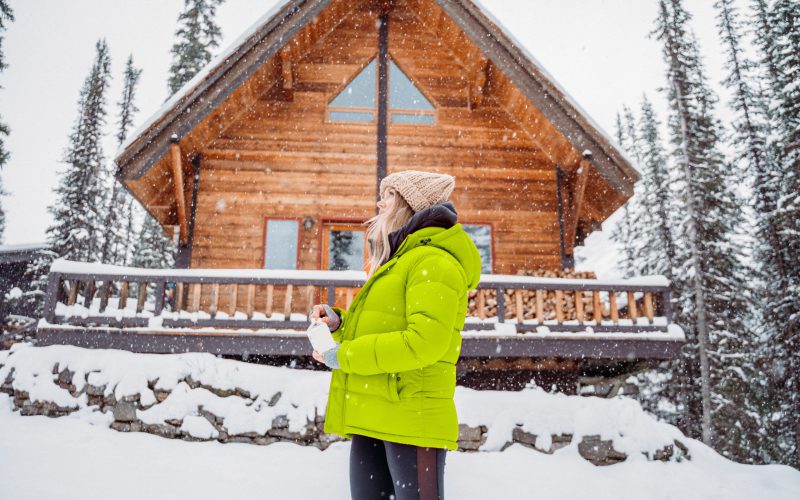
x=20, y=252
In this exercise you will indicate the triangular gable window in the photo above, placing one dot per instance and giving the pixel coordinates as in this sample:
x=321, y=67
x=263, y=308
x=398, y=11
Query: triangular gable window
x=357, y=102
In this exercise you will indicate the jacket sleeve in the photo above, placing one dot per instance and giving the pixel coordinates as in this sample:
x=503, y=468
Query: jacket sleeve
x=337, y=334
x=431, y=295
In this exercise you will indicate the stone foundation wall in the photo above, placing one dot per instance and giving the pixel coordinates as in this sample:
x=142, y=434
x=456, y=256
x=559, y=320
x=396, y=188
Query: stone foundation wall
x=205, y=426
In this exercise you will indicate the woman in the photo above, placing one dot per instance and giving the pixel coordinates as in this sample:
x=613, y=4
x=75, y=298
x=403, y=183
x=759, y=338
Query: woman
x=394, y=372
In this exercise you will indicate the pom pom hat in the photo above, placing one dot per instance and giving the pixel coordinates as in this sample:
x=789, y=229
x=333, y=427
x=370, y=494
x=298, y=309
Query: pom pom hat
x=420, y=189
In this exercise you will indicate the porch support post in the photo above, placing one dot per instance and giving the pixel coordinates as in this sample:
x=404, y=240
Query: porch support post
x=383, y=94
x=567, y=261
x=576, y=201
x=183, y=259
x=177, y=181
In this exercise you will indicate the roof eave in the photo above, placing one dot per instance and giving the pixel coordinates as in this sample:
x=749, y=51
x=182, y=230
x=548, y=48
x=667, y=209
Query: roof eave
x=191, y=104
x=537, y=86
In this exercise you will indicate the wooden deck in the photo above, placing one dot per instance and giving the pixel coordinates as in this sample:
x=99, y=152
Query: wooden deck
x=187, y=311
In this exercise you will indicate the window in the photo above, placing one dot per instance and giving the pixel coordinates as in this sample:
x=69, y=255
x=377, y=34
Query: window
x=346, y=251
x=481, y=235
x=281, y=245
x=358, y=100
x=406, y=102
x=356, y=103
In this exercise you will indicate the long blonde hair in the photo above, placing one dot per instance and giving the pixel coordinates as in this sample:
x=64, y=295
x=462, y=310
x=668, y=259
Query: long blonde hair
x=393, y=218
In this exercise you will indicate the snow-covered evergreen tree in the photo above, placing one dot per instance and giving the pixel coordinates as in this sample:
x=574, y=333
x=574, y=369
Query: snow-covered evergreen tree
x=780, y=48
x=79, y=211
x=657, y=255
x=756, y=158
x=761, y=27
x=120, y=213
x=77, y=230
x=197, y=34
x=648, y=244
x=624, y=233
x=2, y=213
x=153, y=249
x=708, y=270
x=6, y=16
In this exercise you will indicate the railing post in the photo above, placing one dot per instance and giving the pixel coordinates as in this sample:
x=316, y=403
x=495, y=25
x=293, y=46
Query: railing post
x=331, y=295
x=501, y=304
x=159, y=298
x=666, y=297
x=53, y=283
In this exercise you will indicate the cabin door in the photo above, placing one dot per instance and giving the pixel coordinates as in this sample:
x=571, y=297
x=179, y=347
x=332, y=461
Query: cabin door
x=344, y=248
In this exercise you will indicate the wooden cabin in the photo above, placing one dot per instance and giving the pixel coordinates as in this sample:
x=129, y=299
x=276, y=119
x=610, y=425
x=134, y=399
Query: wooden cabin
x=303, y=119
x=272, y=156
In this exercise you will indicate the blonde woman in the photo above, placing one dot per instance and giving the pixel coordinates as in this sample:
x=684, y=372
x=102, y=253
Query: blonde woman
x=394, y=365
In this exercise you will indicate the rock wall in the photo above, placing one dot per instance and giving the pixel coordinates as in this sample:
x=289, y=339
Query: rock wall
x=196, y=410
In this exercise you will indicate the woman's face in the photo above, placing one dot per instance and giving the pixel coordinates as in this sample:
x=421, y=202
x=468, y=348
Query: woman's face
x=386, y=200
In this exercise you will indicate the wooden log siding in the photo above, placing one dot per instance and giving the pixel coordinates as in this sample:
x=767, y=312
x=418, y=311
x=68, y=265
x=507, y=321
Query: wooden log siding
x=281, y=157
x=547, y=301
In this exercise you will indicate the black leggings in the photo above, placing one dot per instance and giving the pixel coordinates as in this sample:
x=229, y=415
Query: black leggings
x=380, y=468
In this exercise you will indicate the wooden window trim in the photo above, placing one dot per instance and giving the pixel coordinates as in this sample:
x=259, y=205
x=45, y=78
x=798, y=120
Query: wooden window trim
x=345, y=222
x=491, y=238
x=300, y=228
x=374, y=111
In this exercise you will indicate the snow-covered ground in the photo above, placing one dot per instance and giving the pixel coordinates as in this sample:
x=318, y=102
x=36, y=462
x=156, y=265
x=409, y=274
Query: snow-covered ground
x=79, y=456
x=68, y=458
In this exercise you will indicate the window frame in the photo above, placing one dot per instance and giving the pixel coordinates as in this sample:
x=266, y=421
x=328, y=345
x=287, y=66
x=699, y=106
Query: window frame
x=389, y=111
x=299, y=223
x=403, y=111
x=323, y=222
x=491, y=241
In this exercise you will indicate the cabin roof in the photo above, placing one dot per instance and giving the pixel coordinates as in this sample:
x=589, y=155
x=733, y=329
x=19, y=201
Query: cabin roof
x=187, y=107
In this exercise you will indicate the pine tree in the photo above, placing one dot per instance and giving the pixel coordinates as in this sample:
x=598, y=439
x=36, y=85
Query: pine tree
x=708, y=270
x=77, y=229
x=657, y=256
x=624, y=232
x=153, y=250
x=6, y=15
x=781, y=49
x=197, y=34
x=647, y=242
x=2, y=213
x=658, y=243
x=761, y=27
x=756, y=158
x=120, y=212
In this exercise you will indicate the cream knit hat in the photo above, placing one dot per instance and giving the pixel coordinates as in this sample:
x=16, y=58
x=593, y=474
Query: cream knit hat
x=420, y=189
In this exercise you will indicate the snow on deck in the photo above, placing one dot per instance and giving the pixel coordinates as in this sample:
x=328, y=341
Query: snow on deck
x=96, y=268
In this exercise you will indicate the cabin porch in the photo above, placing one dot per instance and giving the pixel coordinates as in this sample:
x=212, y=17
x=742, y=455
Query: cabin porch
x=563, y=332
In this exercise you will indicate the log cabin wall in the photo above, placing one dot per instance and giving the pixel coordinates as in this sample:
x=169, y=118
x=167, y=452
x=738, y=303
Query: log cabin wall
x=280, y=158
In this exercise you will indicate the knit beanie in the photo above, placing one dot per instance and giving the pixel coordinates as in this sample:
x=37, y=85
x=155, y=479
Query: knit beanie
x=420, y=189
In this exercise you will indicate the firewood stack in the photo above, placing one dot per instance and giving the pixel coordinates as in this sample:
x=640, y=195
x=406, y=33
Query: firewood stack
x=528, y=299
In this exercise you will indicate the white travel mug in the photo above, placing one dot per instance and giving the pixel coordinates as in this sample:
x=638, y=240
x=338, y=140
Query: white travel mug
x=320, y=336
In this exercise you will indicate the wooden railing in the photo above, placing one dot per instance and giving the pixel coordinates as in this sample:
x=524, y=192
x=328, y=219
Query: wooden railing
x=100, y=295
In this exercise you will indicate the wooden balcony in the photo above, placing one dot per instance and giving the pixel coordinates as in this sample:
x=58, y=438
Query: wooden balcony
x=226, y=311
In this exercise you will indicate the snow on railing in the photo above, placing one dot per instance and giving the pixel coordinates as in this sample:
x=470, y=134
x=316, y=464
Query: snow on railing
x=103, y=295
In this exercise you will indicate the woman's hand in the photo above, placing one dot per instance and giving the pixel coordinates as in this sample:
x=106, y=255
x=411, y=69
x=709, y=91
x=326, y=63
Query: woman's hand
x=318, y=314
x=318, y=357
x=324, y=313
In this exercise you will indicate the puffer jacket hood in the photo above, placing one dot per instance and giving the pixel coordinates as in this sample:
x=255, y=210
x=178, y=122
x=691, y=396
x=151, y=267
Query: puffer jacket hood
x=437, y=226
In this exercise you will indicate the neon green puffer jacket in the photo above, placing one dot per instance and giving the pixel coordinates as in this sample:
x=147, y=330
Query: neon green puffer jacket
x=400, y=340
